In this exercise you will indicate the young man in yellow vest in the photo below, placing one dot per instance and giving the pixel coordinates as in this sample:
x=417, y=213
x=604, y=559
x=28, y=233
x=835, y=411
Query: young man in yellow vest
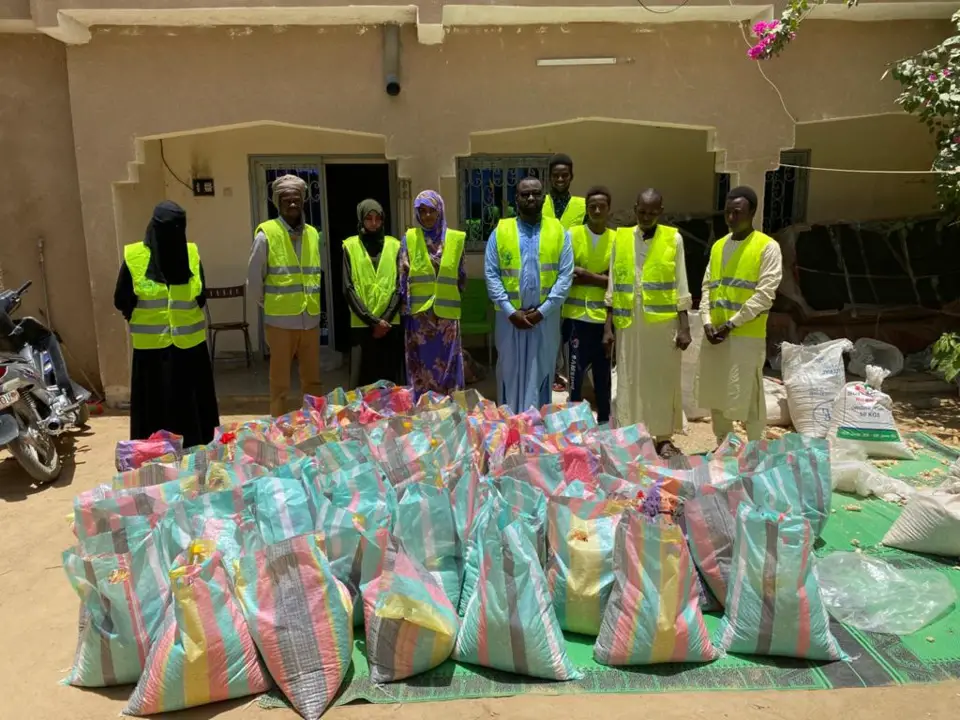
x=284, y=277
x=571, y=210
x=649, y=298
x=585, y=309
x=739, y=288
x=370, y=285
x=528, y=265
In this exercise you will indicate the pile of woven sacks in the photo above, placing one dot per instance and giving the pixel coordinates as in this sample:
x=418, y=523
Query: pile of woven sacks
x=441, y=528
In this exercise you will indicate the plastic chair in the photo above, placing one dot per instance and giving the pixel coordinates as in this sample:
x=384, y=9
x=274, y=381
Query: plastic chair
x=213, y=329
x=477, y=315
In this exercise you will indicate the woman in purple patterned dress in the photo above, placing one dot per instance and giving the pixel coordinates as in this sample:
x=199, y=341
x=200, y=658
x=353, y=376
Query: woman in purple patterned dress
x=433, y=345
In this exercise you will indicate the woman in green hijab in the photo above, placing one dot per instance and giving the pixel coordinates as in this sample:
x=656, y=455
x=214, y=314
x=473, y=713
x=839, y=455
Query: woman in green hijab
x=371, y=288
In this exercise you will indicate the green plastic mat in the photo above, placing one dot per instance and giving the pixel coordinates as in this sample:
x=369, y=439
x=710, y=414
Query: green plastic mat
x=930, y=655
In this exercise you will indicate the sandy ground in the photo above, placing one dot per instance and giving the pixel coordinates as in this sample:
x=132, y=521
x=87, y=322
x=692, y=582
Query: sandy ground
x=38, y=617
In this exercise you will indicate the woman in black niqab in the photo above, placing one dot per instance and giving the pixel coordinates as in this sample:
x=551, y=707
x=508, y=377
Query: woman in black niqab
x=171, y=388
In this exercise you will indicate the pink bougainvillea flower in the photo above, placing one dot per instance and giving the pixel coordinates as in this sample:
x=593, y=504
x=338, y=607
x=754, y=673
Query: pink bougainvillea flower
x=934, y=77
x=756, y=52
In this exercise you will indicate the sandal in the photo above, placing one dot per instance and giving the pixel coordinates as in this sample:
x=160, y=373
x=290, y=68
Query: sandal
x=667, y=450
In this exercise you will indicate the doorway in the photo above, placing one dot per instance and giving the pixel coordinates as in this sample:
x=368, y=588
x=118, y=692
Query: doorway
x=347, y=184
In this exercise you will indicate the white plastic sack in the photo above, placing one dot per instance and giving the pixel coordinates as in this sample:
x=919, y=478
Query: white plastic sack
x=689, y=364
x=775, y=395
x=867, y=351
x=813, y=376
x=929, y=523
x=872, y=595
x=863, y=417
x=851, y=473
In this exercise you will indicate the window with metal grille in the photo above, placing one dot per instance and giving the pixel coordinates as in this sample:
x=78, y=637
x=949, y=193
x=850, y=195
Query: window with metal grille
x=488, y=190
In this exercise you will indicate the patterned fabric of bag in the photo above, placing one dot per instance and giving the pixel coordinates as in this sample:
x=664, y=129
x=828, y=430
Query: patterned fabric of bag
x=122, y=587
x=131, y=454
x=773, y=602
x=509, y=623
x=577, y=417
x=280, y=507
x=653, y=615
x=504, y=501
x=390, y=401
x=709, y=519
x=580, y=550
x=622, y=446
x=300, y=617
x=799, y=482
x=336, y=455
x=203, y=652
x=98, y=510
x=410, y=623
x=425, y=525
x=152, y=473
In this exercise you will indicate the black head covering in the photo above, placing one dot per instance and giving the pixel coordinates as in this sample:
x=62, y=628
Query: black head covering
x=167, y=239
x=372, y=241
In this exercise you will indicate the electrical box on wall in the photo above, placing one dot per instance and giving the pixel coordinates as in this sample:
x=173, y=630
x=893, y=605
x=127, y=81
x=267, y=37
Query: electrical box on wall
x=203, y=187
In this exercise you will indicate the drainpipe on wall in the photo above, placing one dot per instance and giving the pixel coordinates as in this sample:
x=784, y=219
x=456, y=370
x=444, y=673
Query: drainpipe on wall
x=391, y=59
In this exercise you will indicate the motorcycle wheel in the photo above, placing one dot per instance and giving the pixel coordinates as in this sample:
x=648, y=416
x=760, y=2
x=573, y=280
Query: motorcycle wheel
x=37, y=454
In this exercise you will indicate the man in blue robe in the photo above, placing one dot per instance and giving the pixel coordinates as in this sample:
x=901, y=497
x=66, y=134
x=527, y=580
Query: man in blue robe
x=528, y=324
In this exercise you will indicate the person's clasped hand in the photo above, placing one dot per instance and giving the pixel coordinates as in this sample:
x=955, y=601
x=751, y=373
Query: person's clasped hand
x=519, y=320
x=683, y=338
x=381, y=329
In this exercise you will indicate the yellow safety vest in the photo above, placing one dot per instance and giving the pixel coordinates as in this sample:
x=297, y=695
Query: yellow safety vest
x=508, y=249
x=374, y=286
x=587, y=300
x=165, y=315
x=439, y=290
x=658, y=279
x=573, y=214
x=734, y=282
x=292, y=284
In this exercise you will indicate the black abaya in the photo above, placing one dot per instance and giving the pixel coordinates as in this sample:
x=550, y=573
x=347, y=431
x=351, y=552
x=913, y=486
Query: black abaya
x=170, y=389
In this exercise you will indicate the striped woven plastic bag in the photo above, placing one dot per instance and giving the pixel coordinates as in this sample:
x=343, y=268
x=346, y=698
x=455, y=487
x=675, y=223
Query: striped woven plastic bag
x=567, y=417
x=623, y=445
x=509, y=623
x=203, y=652
x=150, y=474
x=653, y=615
x=410, y=624
x=505, y=501
x=424, y=524
x=773, y=602
x=580, y=544
x=122, y=588
x=333, y=456
x=300, y=617
x=101, y=509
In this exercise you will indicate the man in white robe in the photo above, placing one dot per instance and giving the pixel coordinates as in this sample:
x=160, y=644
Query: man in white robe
x=648, y=352
x=730, y=380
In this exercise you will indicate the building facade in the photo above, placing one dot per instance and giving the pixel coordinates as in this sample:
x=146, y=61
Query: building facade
x=109, y=106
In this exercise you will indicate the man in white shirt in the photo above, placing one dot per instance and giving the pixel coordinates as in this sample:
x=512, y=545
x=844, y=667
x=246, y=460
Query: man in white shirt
x=648, y=299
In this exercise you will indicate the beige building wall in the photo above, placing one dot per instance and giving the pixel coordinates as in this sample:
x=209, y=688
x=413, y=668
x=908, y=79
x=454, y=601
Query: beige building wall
x=626, y=157
x=128, y=84
x=881, y=142
x=39, y=197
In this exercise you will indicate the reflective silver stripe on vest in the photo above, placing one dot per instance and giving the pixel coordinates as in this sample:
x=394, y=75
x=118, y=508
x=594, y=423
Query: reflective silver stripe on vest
x=446, y=303
x=550, y=267
x=149, y=329
x=713, y=285
x=310, y=289
x=623, y=288
x=659, y=286
x=151, y=304
x=734, y=282
x=190, y=329
x=662, y=309
x=621, y=312
x=183, y=304
x=283, y=289
x=444, y=280
x=311, y=270
x=283, y=269
x=419, y=299
x=725, y=304
x=422, y=279
x=509, y=272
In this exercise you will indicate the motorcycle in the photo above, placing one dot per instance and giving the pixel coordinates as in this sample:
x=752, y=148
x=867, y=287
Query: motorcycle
x=34, y=406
